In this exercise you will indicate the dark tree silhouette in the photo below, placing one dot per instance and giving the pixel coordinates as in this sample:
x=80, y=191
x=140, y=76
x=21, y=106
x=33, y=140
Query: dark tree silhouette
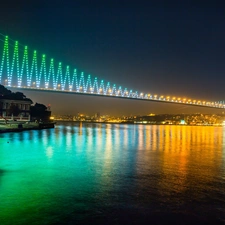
x=7, y=94
x=40, y=107
x=39, y=111
x=4, y=91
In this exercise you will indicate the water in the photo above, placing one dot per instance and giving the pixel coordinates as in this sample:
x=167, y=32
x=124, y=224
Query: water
x=113, y=174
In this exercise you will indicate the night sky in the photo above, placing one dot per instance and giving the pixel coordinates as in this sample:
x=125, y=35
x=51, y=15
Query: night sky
x=174, y=48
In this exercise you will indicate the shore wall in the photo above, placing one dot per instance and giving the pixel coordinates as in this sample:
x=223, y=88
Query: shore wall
x=18, y=127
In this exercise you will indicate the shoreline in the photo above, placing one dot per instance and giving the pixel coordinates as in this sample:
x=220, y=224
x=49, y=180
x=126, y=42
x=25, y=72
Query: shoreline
x=132, y=123
x=19, y=127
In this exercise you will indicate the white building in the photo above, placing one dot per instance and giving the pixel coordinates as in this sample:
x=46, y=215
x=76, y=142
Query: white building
x=6, y=107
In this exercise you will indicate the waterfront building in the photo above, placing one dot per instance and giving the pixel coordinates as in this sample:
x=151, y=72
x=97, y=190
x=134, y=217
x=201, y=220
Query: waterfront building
x=14, y=108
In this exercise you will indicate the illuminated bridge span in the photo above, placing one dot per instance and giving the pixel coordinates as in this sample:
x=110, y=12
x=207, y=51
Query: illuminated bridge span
x=22, y=68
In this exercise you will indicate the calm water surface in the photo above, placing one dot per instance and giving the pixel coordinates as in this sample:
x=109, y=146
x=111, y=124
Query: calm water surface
x=113, y=174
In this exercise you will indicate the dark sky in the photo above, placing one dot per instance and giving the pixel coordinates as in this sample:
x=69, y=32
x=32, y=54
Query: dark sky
x=174, y=48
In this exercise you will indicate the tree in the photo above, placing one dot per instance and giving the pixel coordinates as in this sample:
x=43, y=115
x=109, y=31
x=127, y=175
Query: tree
x=38, y=111
x=7, y=94
x=16, y=96
x=4, y=91
x=40, y=107
x=20, y=95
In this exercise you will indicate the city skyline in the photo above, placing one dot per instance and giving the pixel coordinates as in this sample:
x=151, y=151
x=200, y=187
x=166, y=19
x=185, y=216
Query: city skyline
x=168, y=49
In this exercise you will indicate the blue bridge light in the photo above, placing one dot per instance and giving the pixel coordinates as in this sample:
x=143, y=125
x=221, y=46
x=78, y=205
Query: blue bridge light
x=21, y=67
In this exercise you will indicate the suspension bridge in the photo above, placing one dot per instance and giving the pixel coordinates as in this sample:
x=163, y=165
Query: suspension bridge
x=25, y=69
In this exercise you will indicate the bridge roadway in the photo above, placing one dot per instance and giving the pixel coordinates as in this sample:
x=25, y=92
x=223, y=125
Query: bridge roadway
x=11, y=69
x=142, y=97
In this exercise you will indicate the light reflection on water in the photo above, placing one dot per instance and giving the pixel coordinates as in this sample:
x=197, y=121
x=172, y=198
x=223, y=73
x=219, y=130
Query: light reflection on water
x=114, y=174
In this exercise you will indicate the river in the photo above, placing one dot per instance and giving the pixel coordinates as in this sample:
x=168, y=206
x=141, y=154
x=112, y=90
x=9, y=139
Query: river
x=84, y=173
